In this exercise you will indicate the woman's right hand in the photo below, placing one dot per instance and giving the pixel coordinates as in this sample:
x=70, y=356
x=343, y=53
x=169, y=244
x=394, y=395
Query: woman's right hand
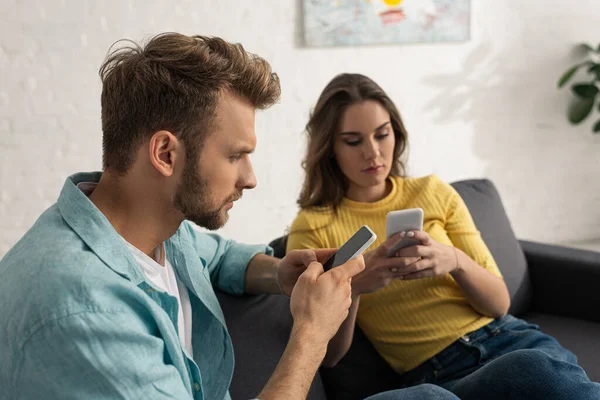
x=380, y=269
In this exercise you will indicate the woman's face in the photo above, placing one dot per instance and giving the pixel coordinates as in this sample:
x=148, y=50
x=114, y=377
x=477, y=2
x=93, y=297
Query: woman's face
x=364, y=145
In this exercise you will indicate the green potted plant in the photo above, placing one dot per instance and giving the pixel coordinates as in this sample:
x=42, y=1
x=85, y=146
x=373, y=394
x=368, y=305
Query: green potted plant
x=586, y=92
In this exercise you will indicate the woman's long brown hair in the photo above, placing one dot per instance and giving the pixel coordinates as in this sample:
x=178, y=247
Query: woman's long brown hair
x=324, y=184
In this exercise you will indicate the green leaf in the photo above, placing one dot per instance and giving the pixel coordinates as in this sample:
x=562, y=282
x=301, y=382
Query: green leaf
x=596, y=127
x=568, y=75
x=585, y=90
x=595, y=69
x=580, y=109
x=586, y=47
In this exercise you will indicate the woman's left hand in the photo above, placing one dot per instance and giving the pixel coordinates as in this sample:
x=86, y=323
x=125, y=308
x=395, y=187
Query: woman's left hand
x=436, y=259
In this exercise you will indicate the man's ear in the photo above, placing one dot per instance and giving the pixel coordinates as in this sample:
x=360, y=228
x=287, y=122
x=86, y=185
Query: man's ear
x=165, y=150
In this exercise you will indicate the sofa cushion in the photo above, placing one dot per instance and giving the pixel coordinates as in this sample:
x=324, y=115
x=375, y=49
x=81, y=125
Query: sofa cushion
x=483, y=201
x=260, y=327
x=579, y=336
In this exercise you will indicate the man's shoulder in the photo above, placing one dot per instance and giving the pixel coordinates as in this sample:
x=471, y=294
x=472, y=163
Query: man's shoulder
x=49, y=243
x=51, y=273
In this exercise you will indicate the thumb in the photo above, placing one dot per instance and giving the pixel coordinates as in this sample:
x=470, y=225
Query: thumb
x=313, y=271
x=387, y=245
x=307, y=257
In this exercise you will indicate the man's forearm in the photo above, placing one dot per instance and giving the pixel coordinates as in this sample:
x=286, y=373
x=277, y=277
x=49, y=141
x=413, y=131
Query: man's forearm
x=261, y=275
x=340, y=344
x=296, y=369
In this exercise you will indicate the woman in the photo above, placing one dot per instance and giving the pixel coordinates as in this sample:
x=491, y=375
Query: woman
x=437, y=311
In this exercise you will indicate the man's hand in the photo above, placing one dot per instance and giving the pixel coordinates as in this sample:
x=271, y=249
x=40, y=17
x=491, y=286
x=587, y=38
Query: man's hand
x=319, y=304
x=295, y=263
x=320, y=301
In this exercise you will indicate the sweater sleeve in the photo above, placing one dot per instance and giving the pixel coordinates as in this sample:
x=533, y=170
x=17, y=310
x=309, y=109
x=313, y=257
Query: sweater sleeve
x=464, y=234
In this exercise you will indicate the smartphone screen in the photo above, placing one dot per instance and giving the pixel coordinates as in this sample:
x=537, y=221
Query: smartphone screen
x=352, y=248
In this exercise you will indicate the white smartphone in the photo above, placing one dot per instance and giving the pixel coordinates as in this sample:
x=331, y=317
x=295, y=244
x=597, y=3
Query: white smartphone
x=353, y=247
x=410, y=219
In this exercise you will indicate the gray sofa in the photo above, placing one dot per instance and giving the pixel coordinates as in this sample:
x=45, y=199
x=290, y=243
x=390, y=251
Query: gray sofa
x=555, y=287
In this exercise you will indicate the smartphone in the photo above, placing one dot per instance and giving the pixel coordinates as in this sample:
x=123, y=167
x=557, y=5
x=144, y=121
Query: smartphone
x=353, y=247
x=410, y=219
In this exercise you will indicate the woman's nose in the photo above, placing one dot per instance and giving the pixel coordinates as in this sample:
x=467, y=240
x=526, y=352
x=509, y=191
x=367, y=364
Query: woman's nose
x=371, y=150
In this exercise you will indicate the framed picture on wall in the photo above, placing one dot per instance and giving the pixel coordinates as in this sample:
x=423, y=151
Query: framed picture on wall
x=360, y=22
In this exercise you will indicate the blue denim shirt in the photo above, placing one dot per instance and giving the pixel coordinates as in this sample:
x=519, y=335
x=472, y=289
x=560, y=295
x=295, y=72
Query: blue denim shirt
x=79, y=321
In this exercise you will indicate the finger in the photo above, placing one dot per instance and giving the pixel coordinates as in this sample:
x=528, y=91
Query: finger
x=349, y=269
x=395, y=262
x=307, y=257
x=324, y=254
x=414, y=251
x=426, y=273
x=312, y=272
x=421, y=236
x=300, y=257
x=403, y=263
x=386, y=246
x=418, y=266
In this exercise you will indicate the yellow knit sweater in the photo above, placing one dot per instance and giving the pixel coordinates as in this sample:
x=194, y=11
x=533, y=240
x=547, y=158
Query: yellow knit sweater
x=408, y=322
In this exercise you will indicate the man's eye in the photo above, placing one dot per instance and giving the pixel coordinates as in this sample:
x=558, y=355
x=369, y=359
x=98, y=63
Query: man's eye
x=235, y=157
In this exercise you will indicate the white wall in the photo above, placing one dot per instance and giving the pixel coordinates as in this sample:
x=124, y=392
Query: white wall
x=485, y=108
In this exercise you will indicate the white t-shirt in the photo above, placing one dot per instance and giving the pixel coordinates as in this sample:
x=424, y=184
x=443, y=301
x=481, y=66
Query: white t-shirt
x=164, y=279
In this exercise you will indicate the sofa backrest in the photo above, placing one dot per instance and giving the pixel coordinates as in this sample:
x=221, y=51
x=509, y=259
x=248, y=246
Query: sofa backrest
x=484, y=203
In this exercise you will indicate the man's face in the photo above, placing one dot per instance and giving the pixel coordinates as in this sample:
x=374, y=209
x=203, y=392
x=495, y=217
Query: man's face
x=215, y=179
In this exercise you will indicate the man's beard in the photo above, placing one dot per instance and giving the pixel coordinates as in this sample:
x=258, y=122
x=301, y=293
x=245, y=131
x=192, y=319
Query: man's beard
x=193, y=197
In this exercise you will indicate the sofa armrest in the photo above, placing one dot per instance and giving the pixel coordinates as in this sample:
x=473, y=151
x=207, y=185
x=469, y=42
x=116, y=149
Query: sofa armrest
x=565, y=281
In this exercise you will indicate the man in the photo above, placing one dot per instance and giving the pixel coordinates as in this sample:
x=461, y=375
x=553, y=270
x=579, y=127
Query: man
x=109, y=295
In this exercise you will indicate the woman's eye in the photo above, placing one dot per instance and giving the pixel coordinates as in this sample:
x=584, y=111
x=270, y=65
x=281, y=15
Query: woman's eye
x=382, y=136
x=352, y=142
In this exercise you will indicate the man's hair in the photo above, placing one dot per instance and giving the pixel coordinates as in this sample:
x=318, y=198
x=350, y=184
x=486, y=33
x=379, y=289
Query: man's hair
x=174, y=83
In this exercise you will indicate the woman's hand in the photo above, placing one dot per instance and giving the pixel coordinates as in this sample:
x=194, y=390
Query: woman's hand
x=486, y=292
x=433, y=258
x=380, y=270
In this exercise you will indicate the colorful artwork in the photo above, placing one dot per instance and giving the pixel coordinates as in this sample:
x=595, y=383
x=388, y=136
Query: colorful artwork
x=355, y=22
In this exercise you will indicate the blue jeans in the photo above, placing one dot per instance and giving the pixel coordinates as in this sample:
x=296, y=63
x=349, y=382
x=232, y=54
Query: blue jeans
x=506, y=359
x=425, y=391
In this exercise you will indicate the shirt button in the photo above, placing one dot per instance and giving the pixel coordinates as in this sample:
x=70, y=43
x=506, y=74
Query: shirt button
x=196, y=386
